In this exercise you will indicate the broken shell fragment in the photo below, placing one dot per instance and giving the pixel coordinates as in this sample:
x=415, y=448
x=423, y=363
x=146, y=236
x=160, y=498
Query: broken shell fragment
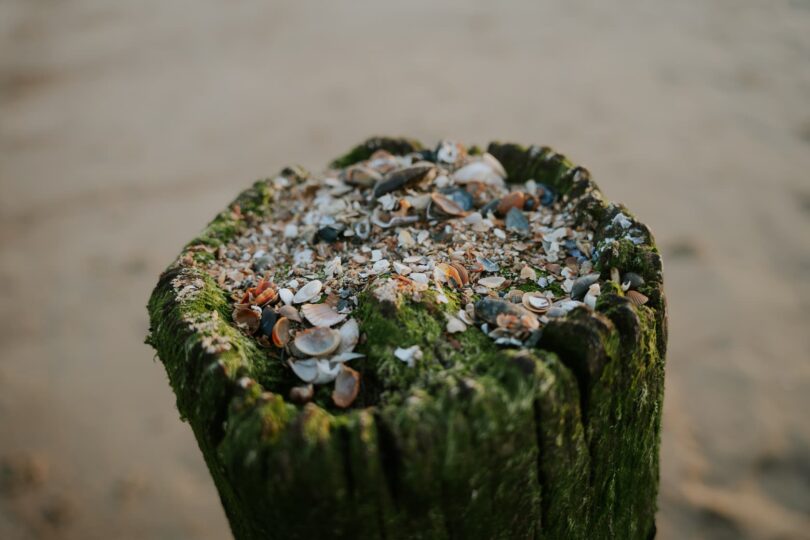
x=308, y=292
x=536, y=302
x=409, y=355
x=455, y=325
x=441, y=205
x=318, y=341
x=306, y=370
x=281, y=332
x=349, y=336
x=302, y=394
x=322, y=315
x=347, y=386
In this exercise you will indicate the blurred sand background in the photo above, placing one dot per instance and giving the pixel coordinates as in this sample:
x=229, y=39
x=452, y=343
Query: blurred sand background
x=125, y=126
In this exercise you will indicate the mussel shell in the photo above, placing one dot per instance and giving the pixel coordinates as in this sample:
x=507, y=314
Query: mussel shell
x=268, y=321
x=582, y=284
x=402, y=178
x=327, y=234
x=633, y=279
x=461, y=197
x=358, y=175
x=488, y=309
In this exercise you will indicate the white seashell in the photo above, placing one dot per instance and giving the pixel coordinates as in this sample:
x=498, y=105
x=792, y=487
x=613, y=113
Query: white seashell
x=404, y=239
x=308, y=292
x=401, y=269
x=409, y=355
x=455, y=325
x=536, y=302
x=286, y=296
x=376, y=255
x=345, y=357
x=412, y=259
x=419, y=277
x=327, y=372
x=318, y=341
x=492, y=282
x=464, y=316
x=381, y=266
x=349, y=335
x=306, y=370
x=499, y=233
x=290, y=231
x=494, y=164
x=322, y=315
x=478, y=171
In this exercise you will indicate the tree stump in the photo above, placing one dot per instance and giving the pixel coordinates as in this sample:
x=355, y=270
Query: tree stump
x=560, y=440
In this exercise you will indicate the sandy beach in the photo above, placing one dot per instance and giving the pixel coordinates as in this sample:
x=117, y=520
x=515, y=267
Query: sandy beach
x=125, y=127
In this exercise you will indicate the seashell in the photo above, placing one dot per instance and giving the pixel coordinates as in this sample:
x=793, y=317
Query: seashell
x=349, y=336
x=632, y=280
x=302, y=394
x=281, y=332
x=268, y=321
x=393, y=221
x=461, y=197
x=515, y=296
x=487, y=309
x=358, y=175
x=401, y=269
x=478, y=171
x=308, y=292
x=345, y=357
x=582, y=284
x=494, y=164
x=362, y=229
x=516, y=221
x=489, y=265
x=327, y=372
x=455, y=325
x=347, y=386
x=449, y=152
x=318, y=341
x=290, y=312
x=322, y=315
x=462, y=273
x=441, y=205
x=401, y=178
x=636, y=297
x=380, y=267
x=445, y=273
x=527, y=272
x=409, y=355
x=516, y=199
x=492, y=282
x=286, y=296
x=328, y=234
x=247, y=317
x=306, y=370
x=546, y=194
x=590, y=297
x=536, y=302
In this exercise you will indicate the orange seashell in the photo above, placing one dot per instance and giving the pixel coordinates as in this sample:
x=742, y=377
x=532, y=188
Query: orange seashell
x=265, y=297
x=281, y=332
x=516, y=199
x=347, y=386
x=462, y=273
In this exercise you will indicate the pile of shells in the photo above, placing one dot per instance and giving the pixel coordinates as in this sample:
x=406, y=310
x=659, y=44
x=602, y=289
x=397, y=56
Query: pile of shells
x=444, y=220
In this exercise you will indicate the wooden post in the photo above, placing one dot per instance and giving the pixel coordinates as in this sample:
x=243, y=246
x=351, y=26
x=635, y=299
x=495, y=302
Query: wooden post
x=560, y=441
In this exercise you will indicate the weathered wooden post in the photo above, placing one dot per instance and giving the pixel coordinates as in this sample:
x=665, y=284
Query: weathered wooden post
x=554, y=436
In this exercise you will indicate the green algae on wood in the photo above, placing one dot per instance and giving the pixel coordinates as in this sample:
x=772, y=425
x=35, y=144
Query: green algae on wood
x=556, y=442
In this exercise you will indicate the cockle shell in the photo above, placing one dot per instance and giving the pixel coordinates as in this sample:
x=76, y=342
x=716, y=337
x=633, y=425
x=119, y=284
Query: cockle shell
x=322, y=315
x=347, y=386
x=536, y=302
x=636, y=297
x=308, y=292
x=318, y=341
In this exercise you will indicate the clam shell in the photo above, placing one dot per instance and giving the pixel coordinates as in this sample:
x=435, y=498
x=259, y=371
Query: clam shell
x=536, y=302
x=359, y=175
x=290, y=312
x=281, y=332
x=347, y=386
x=308, y=292
x=247, y=316
x=492, y=282
x=286, y=296
x=327, y=372
x=445, y=205
x=322, y=315
x=318, y=341
x=306, y=370
x=636, y=297
x=349, y=336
